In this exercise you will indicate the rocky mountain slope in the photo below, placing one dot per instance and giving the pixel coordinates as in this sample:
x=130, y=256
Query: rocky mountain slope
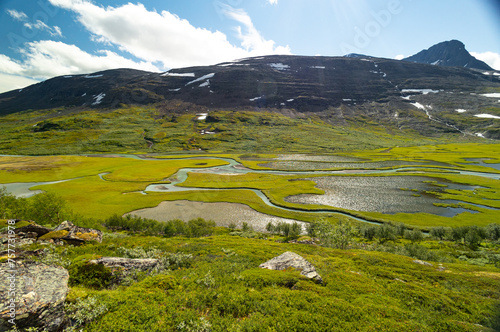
x=449, y=54
x=340, y=90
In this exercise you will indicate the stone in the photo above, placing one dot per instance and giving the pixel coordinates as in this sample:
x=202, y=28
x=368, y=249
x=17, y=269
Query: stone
x=39, y=291
x=418, y=261
x=126, y=264
x=73, y=234
x=32, y=228
x=291, y=259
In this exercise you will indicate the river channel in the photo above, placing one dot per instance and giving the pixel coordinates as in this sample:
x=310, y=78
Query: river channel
x=387, y=194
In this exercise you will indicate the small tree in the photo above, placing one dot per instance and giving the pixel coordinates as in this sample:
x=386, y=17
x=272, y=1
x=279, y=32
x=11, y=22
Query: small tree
x=336, y=236
x=493, y=232
x=438, y=232
x=369, y=232
x=472, y=239
x=311, y=229
x=415, y=235
x=295, y=230
x=385, y=233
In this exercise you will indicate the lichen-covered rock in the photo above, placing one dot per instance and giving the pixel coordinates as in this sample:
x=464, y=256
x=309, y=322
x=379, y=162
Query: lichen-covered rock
x=39, y=291
x=126, y=264
x=32, y=227
x=291, y=259
x=73, y=234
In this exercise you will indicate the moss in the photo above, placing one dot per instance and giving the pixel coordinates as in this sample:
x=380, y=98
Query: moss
x=54, y=235
x=86, y=236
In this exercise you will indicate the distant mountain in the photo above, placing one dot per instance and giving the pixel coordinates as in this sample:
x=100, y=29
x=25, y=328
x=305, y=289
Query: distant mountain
x=341, y=91
x=448, y=54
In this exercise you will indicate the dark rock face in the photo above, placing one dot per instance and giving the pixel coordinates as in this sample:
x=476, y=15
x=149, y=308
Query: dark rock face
x=40, y=291
x=291, y=259
x=449, y=54
x=32, y=230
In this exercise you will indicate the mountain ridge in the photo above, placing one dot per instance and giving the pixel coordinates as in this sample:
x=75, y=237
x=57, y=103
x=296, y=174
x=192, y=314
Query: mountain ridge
x=449, y=54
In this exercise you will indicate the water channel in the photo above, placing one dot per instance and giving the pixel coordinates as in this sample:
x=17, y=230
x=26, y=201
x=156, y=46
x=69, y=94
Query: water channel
x=340, y=192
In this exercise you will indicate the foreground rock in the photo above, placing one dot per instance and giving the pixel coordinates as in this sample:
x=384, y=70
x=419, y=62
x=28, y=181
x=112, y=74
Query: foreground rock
x=73, y=234
x=39, y=291
x=126, y=264
x=291, y=259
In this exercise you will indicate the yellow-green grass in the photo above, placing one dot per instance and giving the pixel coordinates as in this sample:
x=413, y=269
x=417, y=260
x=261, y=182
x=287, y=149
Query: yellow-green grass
x=53, y=168
x=363, y=291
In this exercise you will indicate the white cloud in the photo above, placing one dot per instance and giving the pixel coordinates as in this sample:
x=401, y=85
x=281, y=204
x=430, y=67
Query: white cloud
x=40, y=25
x=10, y=82
x=46, y=58
x=20, y=16
x=251, y=40
x=55, y=31
x=165, y=37
x=491, y=58
x=399, y=57
x=273, y=2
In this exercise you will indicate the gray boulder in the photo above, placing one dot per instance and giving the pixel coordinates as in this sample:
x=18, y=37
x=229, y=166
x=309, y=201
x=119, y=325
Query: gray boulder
x=291, y=259
x=73, y=234
x=126, y=264
x=39, y=291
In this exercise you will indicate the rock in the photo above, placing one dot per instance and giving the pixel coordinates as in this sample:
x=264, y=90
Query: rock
x=39, y=291
x=418, y=261
x=31, y=228
x=291, y=259
x=73, y=234
x=126, y=264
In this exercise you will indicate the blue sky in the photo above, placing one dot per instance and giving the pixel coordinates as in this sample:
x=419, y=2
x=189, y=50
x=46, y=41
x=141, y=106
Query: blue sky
x=47, y=38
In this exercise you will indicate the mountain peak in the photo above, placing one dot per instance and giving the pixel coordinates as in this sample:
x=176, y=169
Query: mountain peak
x=449, y=54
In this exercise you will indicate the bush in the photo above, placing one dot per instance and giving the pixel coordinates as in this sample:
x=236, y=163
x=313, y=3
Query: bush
x=439, y=233
x=415, y=235
x=336, y=236
x=493, y=232
x=85, y=310
x=95, y=276
x=368, y=232
x=385, y=233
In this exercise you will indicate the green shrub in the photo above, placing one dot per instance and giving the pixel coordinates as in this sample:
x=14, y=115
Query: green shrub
x=415, y=235
x=84, y=310
x=260, y=278
x=95, y=276
x=385, y=233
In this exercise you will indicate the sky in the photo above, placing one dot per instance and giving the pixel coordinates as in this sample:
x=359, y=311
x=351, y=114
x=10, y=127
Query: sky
x=47, y=38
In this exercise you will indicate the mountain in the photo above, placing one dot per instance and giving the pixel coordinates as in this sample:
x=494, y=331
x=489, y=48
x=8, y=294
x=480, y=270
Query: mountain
x=449, y=54
x=399, y=96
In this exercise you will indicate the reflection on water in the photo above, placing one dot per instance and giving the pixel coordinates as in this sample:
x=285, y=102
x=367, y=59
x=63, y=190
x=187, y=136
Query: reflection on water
x=223, y=214
x=391, y=194
x=481, y=162
x=312, y=165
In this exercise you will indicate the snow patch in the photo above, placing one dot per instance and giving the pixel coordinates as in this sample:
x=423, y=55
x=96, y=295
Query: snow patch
x=422, y=91
x=346, y=99
x=418, y=105
x=436, y=62
x=84, y=94
x=178, y=74
x=290, y=100
x=68, y=76
x=205, y=77
x=279, y=66
x=487, y=116
x=461, y=111
x=204, y=84
x=491, y=95
x=174, y=90
x=480, y=135
x=99, y=98
x=201, y=116
x=318, y=67
x=93, y=76
x=254, y=99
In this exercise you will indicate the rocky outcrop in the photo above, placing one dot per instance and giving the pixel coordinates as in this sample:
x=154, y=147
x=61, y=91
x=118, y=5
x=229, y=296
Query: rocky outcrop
x=291, y=259
x=126, y=264
x=73, y=234
x=39, y=292
x=32, y=230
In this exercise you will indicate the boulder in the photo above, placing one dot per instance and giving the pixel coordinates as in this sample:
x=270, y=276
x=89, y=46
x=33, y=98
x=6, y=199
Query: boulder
x=291, y=259
x=32, y=230
x=126, y=264
x=73, y=234
x=39, y=291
